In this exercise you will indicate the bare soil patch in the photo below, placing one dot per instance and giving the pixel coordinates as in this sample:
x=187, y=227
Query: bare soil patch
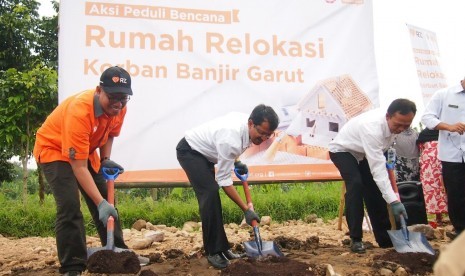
x=309, y=249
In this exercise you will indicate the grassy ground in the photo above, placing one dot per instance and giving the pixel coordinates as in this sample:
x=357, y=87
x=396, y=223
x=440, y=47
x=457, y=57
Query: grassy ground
x=280, y=201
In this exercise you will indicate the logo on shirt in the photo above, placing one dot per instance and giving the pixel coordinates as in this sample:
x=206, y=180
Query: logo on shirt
x=72, y=153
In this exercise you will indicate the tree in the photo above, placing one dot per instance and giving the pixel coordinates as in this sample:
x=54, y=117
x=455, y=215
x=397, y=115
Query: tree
x=28, y=78
x=28, y=98
x=6, y=168
x=47, y=39
x=18, y=24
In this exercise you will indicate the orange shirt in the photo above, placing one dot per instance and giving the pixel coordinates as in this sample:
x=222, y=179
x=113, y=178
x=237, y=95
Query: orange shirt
x=75, y=129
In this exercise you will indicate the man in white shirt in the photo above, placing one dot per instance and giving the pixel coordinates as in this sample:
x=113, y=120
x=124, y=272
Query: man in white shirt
x=221, y=141
x=358, y=153
x=446, y=112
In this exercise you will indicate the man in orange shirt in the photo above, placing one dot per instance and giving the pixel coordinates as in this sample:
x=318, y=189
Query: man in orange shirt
x=66, y=150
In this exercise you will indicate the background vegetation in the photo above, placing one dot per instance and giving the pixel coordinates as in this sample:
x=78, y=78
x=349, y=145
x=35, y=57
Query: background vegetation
x=28, y=80
x=173, y=207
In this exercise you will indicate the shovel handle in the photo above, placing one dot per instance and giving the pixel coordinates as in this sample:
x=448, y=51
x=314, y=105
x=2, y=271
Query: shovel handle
x=248, y=197
x=243, y=178
x=111, y=192
x=392, y=179
x=111, y=200
x=110, y=173
x=404, y=229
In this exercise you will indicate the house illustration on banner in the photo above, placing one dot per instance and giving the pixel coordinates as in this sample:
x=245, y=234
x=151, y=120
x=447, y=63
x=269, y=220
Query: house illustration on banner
x=318, y=117
x=323, y=112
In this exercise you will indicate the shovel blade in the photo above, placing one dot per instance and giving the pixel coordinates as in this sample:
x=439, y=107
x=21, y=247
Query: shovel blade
x=268, y=248
x=92, y=250
x=416, y=243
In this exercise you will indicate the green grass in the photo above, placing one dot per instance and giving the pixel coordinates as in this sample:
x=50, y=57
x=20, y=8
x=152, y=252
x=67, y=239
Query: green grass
x=280, y=201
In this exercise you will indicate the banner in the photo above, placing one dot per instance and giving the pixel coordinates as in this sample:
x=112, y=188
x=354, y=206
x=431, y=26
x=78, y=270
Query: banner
x=192, y=61
x=426, y=56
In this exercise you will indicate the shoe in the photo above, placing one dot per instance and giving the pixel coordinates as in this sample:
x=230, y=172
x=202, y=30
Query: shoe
x=229, y=255
x=451, y=235
x=357, y=247
x=385, y=244
x=143, y=260
x=218, y=261
x=72, y=273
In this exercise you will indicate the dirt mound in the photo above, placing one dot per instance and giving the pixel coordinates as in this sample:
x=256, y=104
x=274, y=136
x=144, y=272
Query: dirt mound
x=312, y=242
x=413, y=263
x=108, y=261
x=272, y=265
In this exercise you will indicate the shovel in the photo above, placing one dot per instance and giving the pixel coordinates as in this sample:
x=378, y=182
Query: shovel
x=403, y=240
x=256, y=248
x=110, y=175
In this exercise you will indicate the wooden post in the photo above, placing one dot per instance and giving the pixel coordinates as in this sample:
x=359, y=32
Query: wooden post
x=342, y=202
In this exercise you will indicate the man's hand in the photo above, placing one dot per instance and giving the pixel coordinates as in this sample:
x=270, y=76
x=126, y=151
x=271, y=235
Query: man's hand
x=457, y=127
x=251, y=216
x=105, y=210
x=110, y=164
x=398, y=209
x=241, y=168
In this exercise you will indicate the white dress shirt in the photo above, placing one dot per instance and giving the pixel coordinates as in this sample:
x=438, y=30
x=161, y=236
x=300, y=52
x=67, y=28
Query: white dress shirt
x=368, y=136
x=447, y=106
x=221, y=141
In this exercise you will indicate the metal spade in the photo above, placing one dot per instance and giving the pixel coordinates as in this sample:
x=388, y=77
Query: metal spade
x=257, y=248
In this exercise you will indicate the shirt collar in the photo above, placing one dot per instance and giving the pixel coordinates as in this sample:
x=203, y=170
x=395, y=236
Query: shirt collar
x=386, y=131
x=457, y=88
x=98, y=110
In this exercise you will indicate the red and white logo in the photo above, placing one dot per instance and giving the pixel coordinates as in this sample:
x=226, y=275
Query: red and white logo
x=115, y=79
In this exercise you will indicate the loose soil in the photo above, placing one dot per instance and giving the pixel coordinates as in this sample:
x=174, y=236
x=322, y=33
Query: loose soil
x=309, y=249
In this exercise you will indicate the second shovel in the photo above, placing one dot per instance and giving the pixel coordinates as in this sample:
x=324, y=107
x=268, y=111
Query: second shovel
x=256, y=248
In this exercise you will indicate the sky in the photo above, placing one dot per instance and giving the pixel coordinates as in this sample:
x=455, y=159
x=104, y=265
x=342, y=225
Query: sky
x=396, y=69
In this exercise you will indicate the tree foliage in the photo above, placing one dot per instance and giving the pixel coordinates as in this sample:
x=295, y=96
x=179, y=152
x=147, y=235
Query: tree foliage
x=28, y=76
x=46, y=45
x=18, y=25
x=6, y=167
x=27, y=99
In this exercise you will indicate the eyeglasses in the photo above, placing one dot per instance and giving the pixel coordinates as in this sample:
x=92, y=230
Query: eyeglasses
x=262, y=133
x=123, y=100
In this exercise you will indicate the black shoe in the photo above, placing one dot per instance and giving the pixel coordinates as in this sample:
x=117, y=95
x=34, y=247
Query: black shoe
x=385, y=244
x=451, y=235
x=229, y=255
x=218, y=261
x=357, y=247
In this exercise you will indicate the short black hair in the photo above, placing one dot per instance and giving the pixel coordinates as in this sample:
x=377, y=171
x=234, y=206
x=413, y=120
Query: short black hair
x=403, y=106
x=263, y=113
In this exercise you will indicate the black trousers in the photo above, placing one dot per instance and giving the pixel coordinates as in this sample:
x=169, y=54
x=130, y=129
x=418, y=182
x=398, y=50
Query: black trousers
x=201, y=174
x=69, y=223
x=360, y=188
x=453, y=175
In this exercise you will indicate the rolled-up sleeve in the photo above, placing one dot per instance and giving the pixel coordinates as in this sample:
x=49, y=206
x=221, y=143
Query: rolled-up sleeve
x=432, y=112
x=227, y=154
